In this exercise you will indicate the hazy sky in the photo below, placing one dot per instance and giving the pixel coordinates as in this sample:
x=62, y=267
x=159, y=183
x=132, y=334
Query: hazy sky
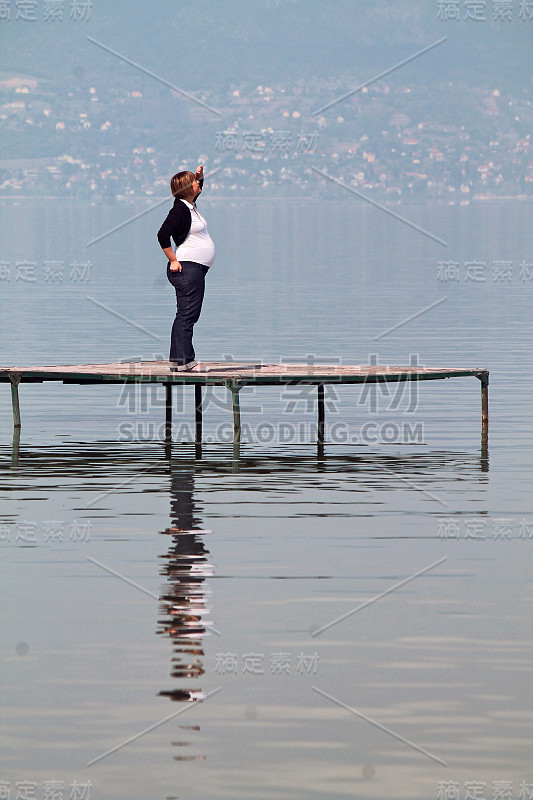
x=207, y=43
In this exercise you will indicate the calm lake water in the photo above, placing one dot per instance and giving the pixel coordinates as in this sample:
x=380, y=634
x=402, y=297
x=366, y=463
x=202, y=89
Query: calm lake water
x=139, y=579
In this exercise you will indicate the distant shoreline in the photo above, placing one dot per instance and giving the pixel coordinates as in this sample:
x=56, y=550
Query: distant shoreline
x=130, y=200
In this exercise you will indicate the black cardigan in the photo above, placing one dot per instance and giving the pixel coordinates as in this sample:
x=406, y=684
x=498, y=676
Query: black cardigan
x=177, y=224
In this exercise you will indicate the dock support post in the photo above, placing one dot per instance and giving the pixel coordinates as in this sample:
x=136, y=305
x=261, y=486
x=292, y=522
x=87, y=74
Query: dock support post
x=321, y=412
x=234, y=387
x=15, y=380
x=168, y=412
x=484, y=380
x=236, y=414
x=485, y=402
x=198, y=411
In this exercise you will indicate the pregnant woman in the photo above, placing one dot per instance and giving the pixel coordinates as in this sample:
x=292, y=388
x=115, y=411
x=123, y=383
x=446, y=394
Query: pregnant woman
x=188, y=265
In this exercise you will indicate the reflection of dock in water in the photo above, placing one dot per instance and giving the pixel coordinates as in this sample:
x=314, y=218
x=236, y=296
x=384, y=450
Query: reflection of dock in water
x=183, y=600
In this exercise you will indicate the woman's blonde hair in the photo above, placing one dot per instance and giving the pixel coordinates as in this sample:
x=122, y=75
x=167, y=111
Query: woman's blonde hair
x=181, y=182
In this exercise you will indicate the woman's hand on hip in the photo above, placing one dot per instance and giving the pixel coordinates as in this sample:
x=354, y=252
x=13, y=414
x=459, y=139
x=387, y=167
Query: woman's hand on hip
x=175, y=266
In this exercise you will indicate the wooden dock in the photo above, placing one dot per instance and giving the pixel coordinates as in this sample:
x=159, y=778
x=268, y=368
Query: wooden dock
x=234, y=376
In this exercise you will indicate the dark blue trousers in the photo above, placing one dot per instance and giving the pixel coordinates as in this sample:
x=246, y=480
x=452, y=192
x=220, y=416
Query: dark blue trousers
x=190, y=286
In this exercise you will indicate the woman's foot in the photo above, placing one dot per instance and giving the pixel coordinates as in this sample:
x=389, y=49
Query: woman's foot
x=183, y=367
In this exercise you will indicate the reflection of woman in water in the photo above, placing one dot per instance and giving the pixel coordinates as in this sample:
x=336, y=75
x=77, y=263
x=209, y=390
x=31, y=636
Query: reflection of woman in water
x=183, y=599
